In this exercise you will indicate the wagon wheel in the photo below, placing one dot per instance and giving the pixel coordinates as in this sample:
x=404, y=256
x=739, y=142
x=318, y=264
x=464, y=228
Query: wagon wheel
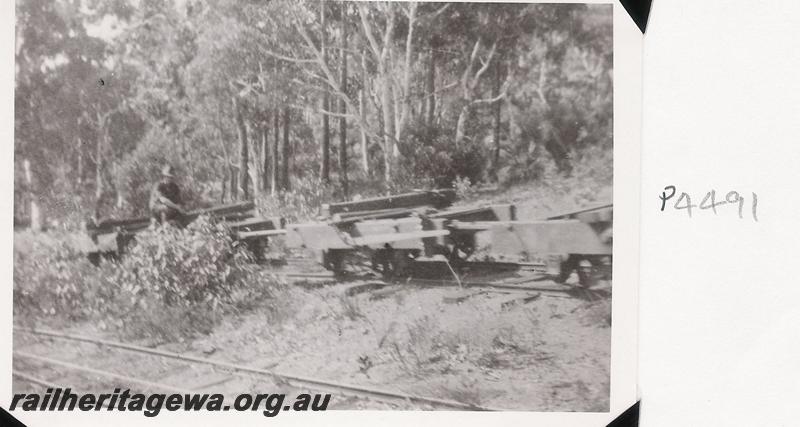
x=333, y=261
x=256, y=247
x=391, y=263
x=577, y=270
x=567, y=267
x=588, y=269
x=460, y=249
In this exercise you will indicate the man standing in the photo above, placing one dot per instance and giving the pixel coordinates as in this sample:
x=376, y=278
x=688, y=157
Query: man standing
x=165, y=198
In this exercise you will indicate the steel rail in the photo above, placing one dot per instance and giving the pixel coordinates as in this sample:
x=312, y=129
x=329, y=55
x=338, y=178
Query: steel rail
x=488, y=265
x=34, y=380
x=292, y=379
x=101, y=372
x=38, y=381
x=501, y=287
x=518, y=286
x=502, y=265
x=431, y=283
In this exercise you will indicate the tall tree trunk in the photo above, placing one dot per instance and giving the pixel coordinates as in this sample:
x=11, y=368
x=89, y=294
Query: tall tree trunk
x=461, y=124
x=265, y=170
x=388, y=125
x=99, y=188
x=224, y=184
x=325, y=146
x=396, y=93
x=80, y=167
x=274, y=176
x=80, y=150
x=234, y=175
x=384, y=80
x=243, y=148
x=35, y=213
x=256, y=136
x=402, y=121
x=120, y=199
x=103, y=141
x=343, y=110
x=430, y=86
x=362, y=110
x=227, y=169
x=286, y=150
x=497, y=107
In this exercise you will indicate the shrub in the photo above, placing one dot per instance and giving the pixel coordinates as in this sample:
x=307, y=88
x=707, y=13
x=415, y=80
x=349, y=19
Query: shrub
x=431, y=157
x=177, y=282
x=425, y=347
x=300, y=203
x=184, y=266
x=172, y=283
x=464, y=188
x=54, y=282
x=141, y=169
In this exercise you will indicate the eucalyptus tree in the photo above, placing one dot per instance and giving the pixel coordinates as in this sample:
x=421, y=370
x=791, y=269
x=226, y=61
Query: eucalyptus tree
x=69, y=87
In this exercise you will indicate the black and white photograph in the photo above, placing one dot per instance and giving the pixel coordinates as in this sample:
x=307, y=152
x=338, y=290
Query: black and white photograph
x=392, y=206
x=560, y=213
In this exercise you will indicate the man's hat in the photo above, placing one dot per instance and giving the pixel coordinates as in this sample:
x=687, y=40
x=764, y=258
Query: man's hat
x=168, y=171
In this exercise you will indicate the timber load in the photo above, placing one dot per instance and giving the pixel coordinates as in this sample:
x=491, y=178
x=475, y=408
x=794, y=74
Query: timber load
x=391, y=233
x=437, y=199
x=110, y=237
x=232, y=211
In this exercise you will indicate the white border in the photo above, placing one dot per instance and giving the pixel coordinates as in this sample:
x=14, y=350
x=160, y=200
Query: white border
x=624, y=363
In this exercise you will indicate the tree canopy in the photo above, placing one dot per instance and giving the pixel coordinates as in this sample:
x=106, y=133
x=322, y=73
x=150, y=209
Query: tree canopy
x=253, y=99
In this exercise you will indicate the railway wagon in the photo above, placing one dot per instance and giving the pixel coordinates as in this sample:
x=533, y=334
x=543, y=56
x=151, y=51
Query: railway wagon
x=389, y=233
x=390, y=239
x=580, y=239
x=109, y=238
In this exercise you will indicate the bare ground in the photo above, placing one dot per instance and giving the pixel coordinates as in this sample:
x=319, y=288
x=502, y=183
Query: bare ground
x=505, y=350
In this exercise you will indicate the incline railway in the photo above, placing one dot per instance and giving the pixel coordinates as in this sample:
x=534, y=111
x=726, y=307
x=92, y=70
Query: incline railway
x=398, y=235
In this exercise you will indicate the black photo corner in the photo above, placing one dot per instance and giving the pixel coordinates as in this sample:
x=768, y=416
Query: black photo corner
x=8, y=420
x=629, y=418
x=639, y=10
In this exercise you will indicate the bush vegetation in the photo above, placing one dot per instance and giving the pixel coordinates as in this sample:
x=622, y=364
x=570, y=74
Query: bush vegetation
x=173, y=283
x=492, y=93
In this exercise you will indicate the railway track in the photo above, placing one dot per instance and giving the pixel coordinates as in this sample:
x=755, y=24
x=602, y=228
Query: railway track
x=297, y=381
x=537, y=282
x=521, y=287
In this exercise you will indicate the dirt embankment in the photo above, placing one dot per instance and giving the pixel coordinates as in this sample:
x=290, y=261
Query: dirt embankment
x=512, y=350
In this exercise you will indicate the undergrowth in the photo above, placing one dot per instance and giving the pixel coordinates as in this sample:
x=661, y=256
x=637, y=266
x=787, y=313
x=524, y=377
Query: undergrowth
x=172, y=284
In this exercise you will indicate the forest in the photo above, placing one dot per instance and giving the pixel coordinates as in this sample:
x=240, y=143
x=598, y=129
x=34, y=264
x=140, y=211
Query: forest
x=293, y=103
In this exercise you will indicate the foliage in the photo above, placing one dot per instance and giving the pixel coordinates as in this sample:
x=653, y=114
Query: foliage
x=141, y=169
x=464, y=188
x=432, y=156
x=424, y=347
x=173, y=283
x=434, y=91
x=183, y=267
x=52, y=280
x=561, y=95
x=299, y=204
